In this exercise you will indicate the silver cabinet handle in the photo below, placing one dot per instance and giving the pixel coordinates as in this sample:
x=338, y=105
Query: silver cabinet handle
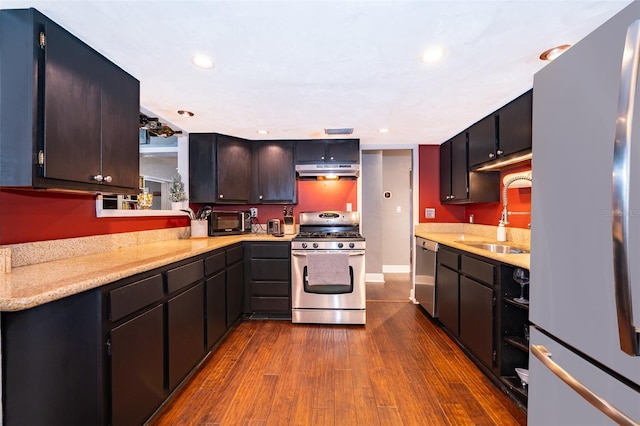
x=609, y=410
x=628, y=333
x=491, y=155
x=499, y=152
x=108, y=179
x=98, y=178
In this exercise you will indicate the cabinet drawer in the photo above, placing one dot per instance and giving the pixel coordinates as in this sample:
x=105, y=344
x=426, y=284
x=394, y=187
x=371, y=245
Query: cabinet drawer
x=270, y=288
x=270, y=269
x=478, y=269
x=214, y=263
x=182, y=276
x=235, y=254
x=128, y=299
x=448, y=258
x=270, y=251
x=270, y=304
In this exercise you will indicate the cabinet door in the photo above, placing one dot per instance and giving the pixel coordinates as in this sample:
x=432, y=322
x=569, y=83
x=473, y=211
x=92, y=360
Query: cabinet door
x=235, y=292
x=447, y=293
x=476, y=319
x=310, y=151
x=459, y=169
x=482, y=141
x=185, y=333
x=275, y=180
x=514, y=124
x=137, y=368
x=216, y=308
x=72, y=127
x=120, y=122
x=343, y=151
x=202, y=168
x=445, y=171
x=233, y=170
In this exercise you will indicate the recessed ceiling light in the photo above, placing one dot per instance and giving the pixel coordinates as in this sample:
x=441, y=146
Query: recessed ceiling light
x=202, y=61
x=339, y=131
x=262, y=132
x=383, y=130
x=432, y=54
x=185, y=113
x=554, y=52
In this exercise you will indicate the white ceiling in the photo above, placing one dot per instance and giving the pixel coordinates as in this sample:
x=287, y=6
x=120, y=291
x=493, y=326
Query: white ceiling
x=297, y=67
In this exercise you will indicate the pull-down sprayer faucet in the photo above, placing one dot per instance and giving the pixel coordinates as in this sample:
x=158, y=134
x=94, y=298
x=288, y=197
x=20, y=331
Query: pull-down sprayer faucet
x=505, y=212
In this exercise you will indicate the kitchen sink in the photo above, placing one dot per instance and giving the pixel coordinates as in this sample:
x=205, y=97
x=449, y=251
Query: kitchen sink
x=497, y=248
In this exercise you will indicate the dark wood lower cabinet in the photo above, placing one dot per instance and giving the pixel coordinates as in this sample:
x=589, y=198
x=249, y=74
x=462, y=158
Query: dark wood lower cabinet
x=448, y=296
x=114, y=354
x=269, y=278
x=476, y=319
x=476, y=306
x=52, y=363
x=185, y=333
x=216, y=307
x=137, y=368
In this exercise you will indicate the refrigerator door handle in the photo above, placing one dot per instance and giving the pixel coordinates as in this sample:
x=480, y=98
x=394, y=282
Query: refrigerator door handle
x=609, y=410
x=628, y=333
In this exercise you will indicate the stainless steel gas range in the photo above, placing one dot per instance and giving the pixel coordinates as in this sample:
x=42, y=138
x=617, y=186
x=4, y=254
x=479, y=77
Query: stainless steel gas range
x=327, y=269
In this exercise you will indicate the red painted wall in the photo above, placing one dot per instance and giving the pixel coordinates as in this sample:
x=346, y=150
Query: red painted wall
x=519, y=201
x=429, y=188
x=29, y=215
x=485, y=214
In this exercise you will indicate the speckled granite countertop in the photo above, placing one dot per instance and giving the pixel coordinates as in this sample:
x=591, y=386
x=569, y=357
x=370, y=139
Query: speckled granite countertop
x=456, y=235
x=29, y=286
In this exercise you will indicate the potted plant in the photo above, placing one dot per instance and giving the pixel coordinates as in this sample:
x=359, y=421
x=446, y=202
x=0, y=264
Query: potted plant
x=177, y=195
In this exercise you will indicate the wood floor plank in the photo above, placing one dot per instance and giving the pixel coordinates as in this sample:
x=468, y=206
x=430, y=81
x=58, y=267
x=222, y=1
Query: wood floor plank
x=401, y=368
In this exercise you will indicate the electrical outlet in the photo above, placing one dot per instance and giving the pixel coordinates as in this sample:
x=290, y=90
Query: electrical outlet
x=254, y=212
x=430, y=213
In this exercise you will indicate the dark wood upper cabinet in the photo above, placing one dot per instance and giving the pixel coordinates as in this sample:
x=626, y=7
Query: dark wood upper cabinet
x=515, y=125
x=327, y=151
x=73, y=121
x=457, y=184
x=274, y=175
x=482, y=141
x=453, y=169
x=502, y=134
x=219, y=169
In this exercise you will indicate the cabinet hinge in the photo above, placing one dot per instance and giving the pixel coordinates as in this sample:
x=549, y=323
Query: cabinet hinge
x=495, y=301
x=42, y=39
x=108, y=347
x=41, y=158
x=494, y=356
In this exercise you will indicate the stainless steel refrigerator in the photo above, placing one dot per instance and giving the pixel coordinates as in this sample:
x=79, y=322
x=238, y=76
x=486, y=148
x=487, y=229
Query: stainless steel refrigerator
x=585, y=235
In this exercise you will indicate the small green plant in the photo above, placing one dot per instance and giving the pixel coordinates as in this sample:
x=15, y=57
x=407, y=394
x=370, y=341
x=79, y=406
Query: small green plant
x=176, y=189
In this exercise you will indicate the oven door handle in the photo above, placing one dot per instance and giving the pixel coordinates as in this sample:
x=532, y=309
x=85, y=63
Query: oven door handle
x=304, y=254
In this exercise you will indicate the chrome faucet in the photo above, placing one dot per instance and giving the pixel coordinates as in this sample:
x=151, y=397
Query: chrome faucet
x=505, y=212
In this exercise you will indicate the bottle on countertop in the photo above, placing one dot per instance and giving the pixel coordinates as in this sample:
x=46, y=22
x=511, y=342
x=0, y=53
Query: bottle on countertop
x=502, y=232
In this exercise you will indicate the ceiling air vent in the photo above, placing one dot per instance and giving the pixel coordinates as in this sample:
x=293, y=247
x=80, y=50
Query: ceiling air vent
x=343, y=131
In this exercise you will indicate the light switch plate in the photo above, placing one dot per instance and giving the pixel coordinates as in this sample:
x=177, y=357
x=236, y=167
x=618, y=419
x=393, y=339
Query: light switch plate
x=430, y=213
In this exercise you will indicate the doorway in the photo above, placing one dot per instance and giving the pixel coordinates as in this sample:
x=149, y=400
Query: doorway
x=387, y=211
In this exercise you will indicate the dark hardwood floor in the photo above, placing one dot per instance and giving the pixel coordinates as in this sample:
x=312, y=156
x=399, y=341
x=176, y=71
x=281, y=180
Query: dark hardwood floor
x=399, y=369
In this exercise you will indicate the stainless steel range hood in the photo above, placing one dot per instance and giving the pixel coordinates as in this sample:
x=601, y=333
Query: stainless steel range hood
x=328, y=171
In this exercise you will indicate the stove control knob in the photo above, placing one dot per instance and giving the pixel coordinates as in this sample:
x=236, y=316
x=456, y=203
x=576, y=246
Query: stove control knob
x=340, y=245
x=304, y=245
x=315, y=245
x=352, y=245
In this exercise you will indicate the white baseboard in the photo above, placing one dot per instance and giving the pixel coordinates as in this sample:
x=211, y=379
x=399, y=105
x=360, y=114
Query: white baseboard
x=396, y=269
x=374, y=278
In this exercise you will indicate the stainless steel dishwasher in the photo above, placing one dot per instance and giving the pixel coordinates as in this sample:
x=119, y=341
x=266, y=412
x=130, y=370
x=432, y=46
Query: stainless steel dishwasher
x=425, y=281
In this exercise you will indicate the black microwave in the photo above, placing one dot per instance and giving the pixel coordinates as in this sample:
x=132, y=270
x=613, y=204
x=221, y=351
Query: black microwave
x=229, y=222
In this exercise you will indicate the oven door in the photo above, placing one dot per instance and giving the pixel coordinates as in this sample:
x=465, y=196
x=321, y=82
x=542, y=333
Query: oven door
x=305, y=296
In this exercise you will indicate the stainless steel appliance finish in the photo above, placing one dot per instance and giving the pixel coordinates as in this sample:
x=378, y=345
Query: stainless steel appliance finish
x=425, y=279
x=584, y=368
x=328, y=232
x=229, y=222
x=273, y=227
